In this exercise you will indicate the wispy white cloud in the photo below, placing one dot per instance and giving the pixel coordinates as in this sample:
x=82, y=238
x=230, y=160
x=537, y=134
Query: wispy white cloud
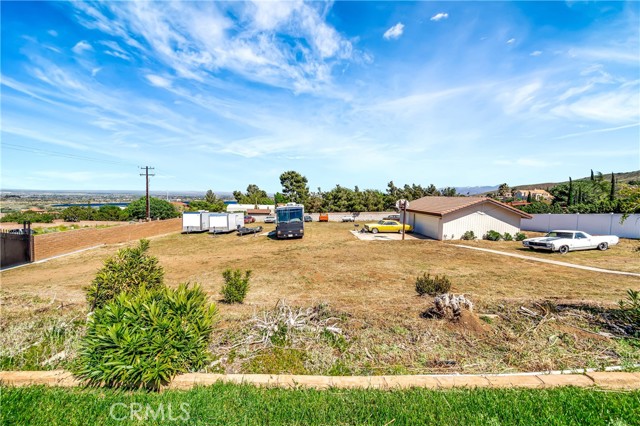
x=115, y=50
x=511, y=41
x=439, y=16
x=619, y=106
x=394, y=32
x=536, y=53
x=81, y=47
x=528, y=162
x=603, y=130
x=53, y=33
x=158, y=81
x=199, y=40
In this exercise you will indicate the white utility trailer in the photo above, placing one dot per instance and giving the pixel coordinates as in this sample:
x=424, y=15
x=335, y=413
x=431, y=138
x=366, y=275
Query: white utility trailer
x=225, y=222
x=195, y=221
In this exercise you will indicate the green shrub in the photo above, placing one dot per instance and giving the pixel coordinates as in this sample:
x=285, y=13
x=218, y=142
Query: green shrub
x=158, y=209
x=492, y=236
x=507, y=237
x=469, y=235
x=520, y=236
x=129, y=269
x=433, y=286
x=78, y=213
x=630, y=308
x=33, y=217
x=235, y=286
x=143, y=339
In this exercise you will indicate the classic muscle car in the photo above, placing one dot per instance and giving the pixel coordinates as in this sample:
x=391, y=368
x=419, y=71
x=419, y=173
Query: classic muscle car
x=386, y=226
x=566, y=241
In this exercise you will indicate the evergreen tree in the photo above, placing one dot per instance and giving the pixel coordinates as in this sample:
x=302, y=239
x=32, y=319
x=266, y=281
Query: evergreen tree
x=612, y=194
x=592, y=177
x=570, y=195
x=529, y=197
x=294, y=186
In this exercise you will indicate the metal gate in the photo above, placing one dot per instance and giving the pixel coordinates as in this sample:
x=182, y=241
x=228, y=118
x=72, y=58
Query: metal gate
x=16, y=246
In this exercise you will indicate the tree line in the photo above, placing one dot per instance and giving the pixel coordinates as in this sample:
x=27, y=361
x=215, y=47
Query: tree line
x=592, y=195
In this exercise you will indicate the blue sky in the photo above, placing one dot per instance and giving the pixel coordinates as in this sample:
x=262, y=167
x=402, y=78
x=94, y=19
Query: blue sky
x=221, y=95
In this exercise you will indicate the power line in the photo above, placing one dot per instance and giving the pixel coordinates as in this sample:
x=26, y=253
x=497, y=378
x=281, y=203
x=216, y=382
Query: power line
x=58, y=154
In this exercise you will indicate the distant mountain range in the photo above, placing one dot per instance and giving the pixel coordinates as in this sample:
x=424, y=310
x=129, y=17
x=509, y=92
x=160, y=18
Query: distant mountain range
x=475, y=190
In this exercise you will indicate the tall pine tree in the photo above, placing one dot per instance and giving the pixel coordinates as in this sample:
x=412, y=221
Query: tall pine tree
x=570, y=195
x=612, y=194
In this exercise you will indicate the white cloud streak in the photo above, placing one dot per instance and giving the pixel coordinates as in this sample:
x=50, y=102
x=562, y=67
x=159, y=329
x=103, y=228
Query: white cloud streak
x=81, y=47
x=394, y=32
x=439, y=16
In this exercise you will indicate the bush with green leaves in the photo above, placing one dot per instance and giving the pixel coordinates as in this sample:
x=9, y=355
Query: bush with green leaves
x=33, y=217
x=520, y=236
x=236, y=286
x=143, y=339
x=469, y=235
x=128, y=270
x=507, y=237
x=158, y=209
x=433, y=286
x=630, y=308
x=493, y=236
x=77, y=213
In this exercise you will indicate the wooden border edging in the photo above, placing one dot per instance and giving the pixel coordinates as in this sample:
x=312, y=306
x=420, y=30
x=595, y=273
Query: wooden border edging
x=606, y=380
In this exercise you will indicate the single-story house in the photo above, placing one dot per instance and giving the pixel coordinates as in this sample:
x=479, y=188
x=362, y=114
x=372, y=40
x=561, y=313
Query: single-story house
x=448, y=218
x=259, y=214
x=244, y=208
x=536, y=195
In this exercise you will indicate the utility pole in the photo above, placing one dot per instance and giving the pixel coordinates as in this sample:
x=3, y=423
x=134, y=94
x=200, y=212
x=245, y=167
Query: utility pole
x=146, y=174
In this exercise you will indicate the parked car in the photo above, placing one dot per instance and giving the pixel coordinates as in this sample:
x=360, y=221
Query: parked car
x=308, y=218
x=392, y=217
x=348, y=219
x=566, y=241
x=386, y=226
x=249, y=219
x=270, y=219
x=22, y=231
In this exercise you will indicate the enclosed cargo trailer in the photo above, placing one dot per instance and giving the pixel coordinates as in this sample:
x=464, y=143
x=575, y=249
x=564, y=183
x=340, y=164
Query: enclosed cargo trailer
x=195, y=221
x=225, y=222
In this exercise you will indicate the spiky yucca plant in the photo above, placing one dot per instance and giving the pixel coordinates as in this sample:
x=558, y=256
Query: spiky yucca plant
x=143, y=339
x=128, y=270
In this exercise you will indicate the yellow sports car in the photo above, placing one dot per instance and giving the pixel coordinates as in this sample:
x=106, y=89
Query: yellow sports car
x=386, y=226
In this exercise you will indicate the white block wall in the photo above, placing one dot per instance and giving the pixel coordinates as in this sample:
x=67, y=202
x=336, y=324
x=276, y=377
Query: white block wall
x=595, y=224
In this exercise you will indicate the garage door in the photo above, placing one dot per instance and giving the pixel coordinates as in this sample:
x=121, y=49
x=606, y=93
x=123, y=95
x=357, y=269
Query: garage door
x=427, y=225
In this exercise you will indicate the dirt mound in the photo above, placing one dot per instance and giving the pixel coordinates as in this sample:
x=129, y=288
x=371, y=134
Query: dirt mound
x=470, y=323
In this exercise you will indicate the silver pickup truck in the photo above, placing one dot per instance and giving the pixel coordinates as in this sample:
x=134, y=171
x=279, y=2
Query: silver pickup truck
x=566, y=241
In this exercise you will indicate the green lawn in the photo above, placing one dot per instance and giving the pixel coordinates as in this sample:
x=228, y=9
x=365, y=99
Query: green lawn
x=225, y=404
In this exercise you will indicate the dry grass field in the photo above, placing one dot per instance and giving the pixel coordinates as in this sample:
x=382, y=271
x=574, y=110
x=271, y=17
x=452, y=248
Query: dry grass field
x=368, y=288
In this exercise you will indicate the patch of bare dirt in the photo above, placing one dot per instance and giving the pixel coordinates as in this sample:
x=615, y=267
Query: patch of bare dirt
x=469, y=322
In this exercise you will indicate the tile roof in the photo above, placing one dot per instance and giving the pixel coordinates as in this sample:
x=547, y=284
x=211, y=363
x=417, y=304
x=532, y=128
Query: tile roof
x=440, y=206
x=258, y=211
